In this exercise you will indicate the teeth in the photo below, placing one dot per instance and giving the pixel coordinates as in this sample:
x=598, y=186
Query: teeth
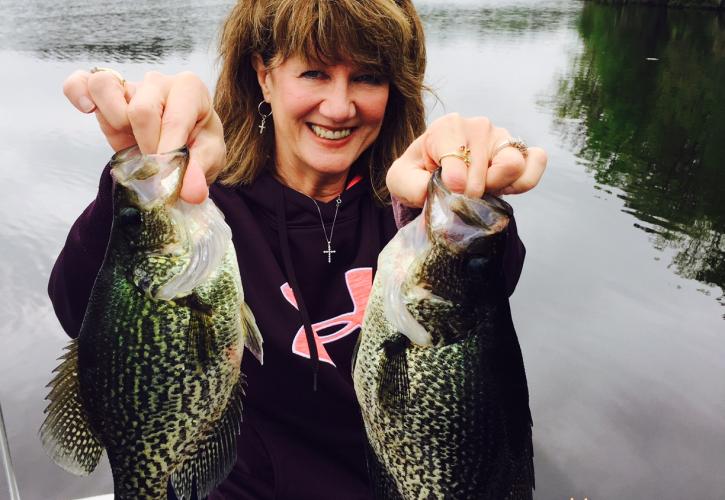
x=329, y=134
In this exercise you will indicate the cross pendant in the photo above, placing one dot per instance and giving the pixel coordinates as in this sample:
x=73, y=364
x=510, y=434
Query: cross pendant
x=329, y=252
x=261, y=127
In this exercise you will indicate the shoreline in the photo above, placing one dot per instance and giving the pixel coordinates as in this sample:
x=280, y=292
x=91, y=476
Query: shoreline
x=716, y=5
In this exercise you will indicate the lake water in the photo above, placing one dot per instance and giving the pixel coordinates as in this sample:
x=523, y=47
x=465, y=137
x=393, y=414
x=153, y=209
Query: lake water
x=620, y=307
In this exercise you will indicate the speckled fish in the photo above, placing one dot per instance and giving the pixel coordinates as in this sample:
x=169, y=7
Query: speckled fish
x=154, y=376
x=438, y=370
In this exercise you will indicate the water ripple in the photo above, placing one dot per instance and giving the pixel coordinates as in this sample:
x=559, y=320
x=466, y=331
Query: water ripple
x=110, y=31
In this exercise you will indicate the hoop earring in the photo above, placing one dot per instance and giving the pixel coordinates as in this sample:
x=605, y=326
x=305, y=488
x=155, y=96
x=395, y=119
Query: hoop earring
x=263, y=125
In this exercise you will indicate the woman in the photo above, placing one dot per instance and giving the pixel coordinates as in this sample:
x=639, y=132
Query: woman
x=317, y=120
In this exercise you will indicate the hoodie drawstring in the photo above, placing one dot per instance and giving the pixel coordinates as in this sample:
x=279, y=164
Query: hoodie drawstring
x=373, y=229
x=290, y=271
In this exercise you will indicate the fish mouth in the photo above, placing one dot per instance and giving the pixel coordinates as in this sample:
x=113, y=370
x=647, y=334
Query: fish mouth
x=458, y=220
x=153, y=178
x=130, y=163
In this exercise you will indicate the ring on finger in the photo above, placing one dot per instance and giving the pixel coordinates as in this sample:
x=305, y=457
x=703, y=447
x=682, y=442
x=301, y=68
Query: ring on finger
x=119, y=77
x=512, y=142
x=463, y=153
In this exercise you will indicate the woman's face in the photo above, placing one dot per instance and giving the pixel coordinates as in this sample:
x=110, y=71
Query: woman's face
x=324, y=116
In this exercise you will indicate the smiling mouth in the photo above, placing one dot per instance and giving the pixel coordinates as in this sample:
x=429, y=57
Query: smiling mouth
x=334, y=135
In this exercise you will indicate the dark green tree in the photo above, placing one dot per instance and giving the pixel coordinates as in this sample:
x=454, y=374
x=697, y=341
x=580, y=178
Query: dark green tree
x=695, y=4
x=644, y=105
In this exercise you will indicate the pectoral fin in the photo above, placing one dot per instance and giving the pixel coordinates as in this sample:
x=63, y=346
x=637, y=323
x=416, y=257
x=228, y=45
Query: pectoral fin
x=393, y=389
x=201, y=342
x=65, y=433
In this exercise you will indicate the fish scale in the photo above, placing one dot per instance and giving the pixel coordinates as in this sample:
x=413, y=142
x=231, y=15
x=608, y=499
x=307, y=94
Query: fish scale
x=155, y=380
x=447, y=418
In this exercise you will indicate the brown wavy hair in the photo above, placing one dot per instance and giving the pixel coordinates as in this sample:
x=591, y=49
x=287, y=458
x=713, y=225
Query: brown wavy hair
x=385, y=36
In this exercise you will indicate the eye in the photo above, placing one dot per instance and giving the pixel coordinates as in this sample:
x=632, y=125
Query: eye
x=477, y=267
x=371, y=79
x=312, y=74
x=129, y=217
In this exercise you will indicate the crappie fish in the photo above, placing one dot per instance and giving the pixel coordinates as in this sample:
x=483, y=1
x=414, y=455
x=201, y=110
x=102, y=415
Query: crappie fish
x=154, y=375
x=438, y=371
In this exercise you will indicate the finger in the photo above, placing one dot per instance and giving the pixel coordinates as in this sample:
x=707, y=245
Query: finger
x=413, y=188
x=75, y=88
x=445, y=137
x=117, y=140
x=193, y=186
x=479, y=132
x=146, y=109
x=131, y=88
x=188, y=106
x=207, y=147
x=535, y=166
x=506, y=165
x=207, y=156
x=109, y=96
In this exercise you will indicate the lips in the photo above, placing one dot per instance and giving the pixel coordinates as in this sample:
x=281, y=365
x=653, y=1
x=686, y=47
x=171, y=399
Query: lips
x=326, y=133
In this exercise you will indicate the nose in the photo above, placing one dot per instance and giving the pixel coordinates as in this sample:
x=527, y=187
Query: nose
x=338, y=105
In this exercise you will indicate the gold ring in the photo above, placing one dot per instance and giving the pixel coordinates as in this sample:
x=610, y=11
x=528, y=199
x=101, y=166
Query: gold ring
x=463, y=153
x=512, y=142
x=121, y=79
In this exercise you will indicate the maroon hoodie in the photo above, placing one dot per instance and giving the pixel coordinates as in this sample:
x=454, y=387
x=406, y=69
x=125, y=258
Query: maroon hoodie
x=296, y=442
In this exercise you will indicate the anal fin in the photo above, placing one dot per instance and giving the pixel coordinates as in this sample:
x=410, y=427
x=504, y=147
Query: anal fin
x=381, y=482
x=216, y=454
x=65, y=433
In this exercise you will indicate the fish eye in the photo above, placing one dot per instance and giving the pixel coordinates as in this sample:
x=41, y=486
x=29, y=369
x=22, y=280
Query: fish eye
x=476, y=266
x=129, y=217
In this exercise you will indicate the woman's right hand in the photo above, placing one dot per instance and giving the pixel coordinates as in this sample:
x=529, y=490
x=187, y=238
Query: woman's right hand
x=161, y=113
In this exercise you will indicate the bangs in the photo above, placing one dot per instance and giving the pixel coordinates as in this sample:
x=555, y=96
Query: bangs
x=369, y=33
x=384, y=37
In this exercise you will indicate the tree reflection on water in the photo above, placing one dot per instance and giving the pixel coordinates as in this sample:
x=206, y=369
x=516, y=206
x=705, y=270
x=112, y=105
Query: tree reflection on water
x=645, y=107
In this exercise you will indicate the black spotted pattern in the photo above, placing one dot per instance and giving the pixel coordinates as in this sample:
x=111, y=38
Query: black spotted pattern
x=156, y=383
x=464, y=429
x=150, y=396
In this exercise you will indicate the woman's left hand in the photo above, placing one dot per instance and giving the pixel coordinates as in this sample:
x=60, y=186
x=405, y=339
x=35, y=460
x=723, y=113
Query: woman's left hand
x=505, y=172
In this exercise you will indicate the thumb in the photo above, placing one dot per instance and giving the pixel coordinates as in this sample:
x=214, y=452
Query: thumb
x=193, y=187
x=407, y=178
x=207, y=156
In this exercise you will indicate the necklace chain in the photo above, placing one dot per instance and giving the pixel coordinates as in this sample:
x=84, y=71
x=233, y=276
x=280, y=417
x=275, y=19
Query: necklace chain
x=329, y=250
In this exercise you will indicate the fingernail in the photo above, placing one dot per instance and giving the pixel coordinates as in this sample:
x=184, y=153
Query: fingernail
x=85, y=104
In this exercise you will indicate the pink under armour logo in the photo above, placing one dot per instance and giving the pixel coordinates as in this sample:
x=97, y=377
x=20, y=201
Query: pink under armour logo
x=359, y=282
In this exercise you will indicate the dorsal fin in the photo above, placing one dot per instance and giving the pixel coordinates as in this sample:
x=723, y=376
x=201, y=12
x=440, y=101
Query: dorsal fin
x=65, y=433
